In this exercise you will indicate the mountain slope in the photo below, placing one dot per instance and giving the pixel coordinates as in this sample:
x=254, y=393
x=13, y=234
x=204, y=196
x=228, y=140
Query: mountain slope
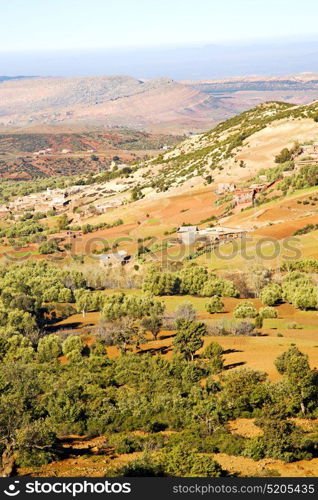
x=271, y=126
x=107, y=101
x=160, y=105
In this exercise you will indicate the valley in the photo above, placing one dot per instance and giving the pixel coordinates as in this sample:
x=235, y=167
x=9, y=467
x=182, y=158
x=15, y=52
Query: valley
x=171, y=299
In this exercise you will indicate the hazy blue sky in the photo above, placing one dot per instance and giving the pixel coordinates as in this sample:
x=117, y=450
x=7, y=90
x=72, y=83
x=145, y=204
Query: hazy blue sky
x=76, y=24
x=181, y=39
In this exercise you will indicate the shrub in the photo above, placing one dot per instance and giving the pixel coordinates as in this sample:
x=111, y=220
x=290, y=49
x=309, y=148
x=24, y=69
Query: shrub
x=48, y=247
x=268, y=312
x=213, y=352
x=189, y=337
x=294, y=326
x=72, y=343
x=244, y=328
x=258, y=321
x=126, y=444
x=186, y=311
x=49, y=347
x=180, y=461
x=192, y=279
x=284, y=156
x=271, y=294
x=217, y=286
x=214, y=305
x=245, y=310
x=213, y=349
x=145, y=466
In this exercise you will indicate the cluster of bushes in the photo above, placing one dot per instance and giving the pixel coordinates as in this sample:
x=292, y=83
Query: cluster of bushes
x=96, y=396
x=306, y=229
x=305, y=265
x=274, y=173
x=49, y=348
x=88, y=228
x=49, y=247
x=193, y=280
x=35, y=216
x=307, y=177
x=24, y=290
x=287, y=154
x=297, y=288
x=119, y=305
x=300, y=290
x=25, y=228
x=248, y=310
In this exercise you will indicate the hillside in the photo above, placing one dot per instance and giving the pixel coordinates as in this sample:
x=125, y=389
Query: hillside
x=27, y=155
x=105, y=101
x=205, y=180
x=160, y=105
x=238, y=147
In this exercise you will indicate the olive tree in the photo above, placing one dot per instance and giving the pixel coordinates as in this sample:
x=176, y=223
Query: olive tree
x=189, y=337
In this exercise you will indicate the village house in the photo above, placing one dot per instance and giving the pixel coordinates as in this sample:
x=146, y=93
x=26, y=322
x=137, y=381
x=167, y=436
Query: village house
x=221, y=233
x=188, y=234
x=42, y=152
x=310, y=149
x=103, y=207
x=191, y=234
x=59, y=201
x=187, y=229
x=121, y=257
x=225, y=187
x=308, y=156
x=249, y=194
x=245, y=195
x=4, y=210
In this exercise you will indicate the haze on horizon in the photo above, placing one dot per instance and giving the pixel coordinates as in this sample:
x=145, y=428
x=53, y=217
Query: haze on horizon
x=153, y=38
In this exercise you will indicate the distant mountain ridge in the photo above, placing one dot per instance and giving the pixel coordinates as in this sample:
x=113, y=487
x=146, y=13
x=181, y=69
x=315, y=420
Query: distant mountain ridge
x=18, y=77
x=116, y=100
x=160, y=105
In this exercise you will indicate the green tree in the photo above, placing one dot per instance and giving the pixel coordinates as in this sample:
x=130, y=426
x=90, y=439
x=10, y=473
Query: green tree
x=284, y=156
x=268, y=312
x=160, y=283
x=180, y=461
x=301, y=380
x=62, y=222
x=271, y=294
x=123, y=333
x=19, y=349
x=73, y=347
x=213, y=352
x=152, y=324
x=243, y=391
x=245, y=310
x=49, y=348
x=215, y=305
x=49, y=247
x=189, y=337
x=217, y=286
x=192, y=279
